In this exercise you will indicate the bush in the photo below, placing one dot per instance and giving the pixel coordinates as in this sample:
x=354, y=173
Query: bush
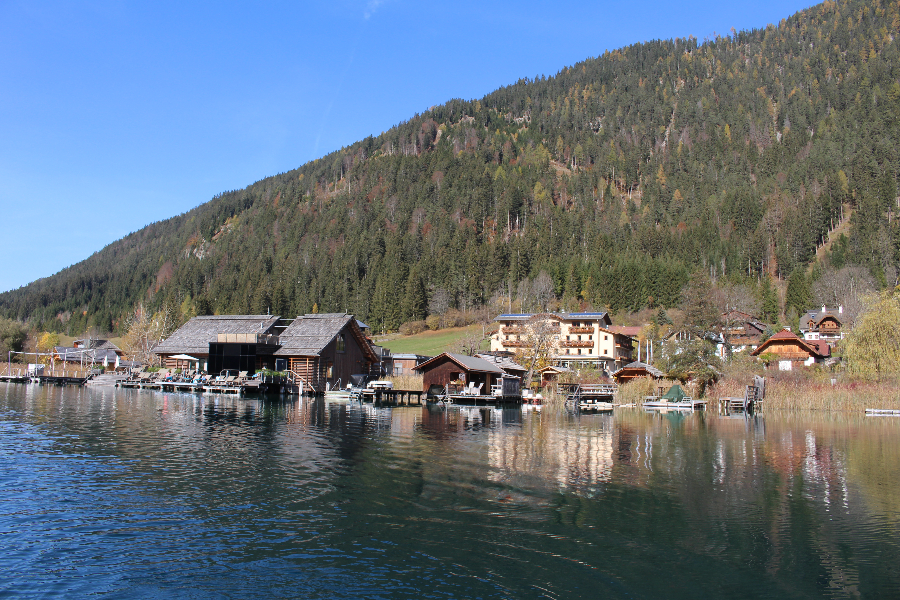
x=433, y=322
x=413, y=327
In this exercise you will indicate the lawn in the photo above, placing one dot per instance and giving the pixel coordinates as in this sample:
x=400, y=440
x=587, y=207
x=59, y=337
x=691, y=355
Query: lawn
x=429, y=343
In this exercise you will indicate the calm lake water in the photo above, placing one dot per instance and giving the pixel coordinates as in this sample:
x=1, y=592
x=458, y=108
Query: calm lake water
x=143, y=494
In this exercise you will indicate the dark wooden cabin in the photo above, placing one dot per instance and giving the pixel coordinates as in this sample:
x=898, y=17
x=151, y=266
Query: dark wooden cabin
x=446, y=368
x=324, y=350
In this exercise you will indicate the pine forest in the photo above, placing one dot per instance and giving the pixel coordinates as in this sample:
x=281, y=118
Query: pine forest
x=755, y=157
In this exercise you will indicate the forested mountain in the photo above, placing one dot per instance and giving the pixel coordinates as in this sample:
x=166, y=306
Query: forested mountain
x=617, y=177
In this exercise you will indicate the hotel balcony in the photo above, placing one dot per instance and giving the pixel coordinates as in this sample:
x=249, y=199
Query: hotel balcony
x=581, y=330
x=576, y=344
x=515, y=343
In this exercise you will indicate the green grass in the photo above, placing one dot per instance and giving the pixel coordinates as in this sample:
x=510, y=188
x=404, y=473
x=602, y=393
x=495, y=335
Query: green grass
x=429, y=343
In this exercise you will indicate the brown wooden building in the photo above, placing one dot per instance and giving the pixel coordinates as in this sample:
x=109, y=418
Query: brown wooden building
x=791, y=351
x=321, y=350
x=241, y=342
x=823, y=325
x=324, y=350
x=636, y=370
x=446, y=368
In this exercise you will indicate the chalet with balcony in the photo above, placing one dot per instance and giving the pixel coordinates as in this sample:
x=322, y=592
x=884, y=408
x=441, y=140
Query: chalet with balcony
x=790, y=351
x=825, y=325
x=574, y=339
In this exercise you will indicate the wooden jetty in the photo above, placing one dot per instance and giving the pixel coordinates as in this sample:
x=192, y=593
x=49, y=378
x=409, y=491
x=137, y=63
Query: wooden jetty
x=390, y=397
x=599, y=397
x=882, y=412
x=61, y=377
x=674, y=399
x=750, y=401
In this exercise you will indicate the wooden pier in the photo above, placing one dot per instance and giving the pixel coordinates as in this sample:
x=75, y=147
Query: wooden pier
x=60, y=377
x=590, y=396
x=390, y=397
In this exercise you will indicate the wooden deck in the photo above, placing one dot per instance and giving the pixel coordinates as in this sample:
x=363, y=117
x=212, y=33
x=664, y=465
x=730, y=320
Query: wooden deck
x=384, y=397
x=590, y=396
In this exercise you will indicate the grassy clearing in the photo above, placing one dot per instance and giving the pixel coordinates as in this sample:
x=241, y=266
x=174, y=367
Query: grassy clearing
x=428, y=343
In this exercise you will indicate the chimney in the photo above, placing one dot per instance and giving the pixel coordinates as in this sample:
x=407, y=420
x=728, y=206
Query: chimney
x=823, y=308
x=841, y=309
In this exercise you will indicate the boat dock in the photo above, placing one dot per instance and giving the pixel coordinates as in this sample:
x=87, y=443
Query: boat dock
x=390, y=397
x=590, y=396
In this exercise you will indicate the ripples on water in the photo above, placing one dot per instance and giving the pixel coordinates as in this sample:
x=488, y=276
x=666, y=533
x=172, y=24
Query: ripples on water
x=142, y=494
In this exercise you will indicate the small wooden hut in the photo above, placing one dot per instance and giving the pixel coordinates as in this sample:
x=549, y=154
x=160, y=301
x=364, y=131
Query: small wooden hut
x=447, y=368
x=635, y=370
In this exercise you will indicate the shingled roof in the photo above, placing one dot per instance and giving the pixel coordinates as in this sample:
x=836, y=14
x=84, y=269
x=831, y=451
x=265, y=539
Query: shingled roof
x=468, y=363
x=195, y=336
x=310, y=334
x=815, y=348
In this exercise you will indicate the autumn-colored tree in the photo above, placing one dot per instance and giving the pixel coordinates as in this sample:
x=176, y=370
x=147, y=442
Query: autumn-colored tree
x=872, y=347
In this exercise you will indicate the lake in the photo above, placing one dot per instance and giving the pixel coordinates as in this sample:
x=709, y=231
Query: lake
x=132, y=493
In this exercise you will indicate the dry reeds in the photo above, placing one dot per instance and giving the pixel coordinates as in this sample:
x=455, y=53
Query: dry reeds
x=816, y=391
x=636, y=390
x=406, y=382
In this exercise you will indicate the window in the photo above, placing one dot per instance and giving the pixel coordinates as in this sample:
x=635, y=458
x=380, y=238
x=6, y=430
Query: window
x=605, y=337
x=590, y=338
x=340, y=344
x=579, y=338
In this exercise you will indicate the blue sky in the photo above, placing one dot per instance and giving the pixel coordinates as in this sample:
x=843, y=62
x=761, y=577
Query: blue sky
x=115, y=114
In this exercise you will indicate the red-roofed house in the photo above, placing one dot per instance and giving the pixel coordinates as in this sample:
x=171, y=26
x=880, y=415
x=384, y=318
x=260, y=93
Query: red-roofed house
x=793, y=351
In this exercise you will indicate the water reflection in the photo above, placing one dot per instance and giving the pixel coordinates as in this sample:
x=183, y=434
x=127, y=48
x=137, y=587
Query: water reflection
x=125, y=492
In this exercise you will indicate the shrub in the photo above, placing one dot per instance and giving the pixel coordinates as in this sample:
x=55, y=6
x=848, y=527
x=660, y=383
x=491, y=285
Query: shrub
x=413, y=327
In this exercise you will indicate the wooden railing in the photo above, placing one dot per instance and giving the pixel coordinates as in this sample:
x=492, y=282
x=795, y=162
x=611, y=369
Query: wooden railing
x=581, y=330
x=576, y=344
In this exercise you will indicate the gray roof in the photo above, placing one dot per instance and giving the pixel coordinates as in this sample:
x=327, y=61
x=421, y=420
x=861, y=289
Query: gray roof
x=469, y=363
x=504, y=362
x=817, y=315
x=195, y=336
x=308, y=335
x=97, y=343
x=639, y=365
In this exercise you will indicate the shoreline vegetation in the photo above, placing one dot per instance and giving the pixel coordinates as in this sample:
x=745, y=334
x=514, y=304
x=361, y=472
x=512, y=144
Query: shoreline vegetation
x=785, y=392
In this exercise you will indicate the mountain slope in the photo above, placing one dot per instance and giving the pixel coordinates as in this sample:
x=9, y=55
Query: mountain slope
x=617, y=177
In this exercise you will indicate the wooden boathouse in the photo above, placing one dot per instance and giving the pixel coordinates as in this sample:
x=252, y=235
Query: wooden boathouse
x=317, y=352
x=323, y=350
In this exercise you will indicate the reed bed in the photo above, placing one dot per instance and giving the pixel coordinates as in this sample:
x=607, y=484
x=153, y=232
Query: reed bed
x=817, y=391
x=405, y=382
x=636, y=390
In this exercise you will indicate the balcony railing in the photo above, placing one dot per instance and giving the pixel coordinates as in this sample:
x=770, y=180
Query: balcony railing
x=515, y=343
x=581, y=330
x=576, y=344
x=247, y=338
x=514, y=330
